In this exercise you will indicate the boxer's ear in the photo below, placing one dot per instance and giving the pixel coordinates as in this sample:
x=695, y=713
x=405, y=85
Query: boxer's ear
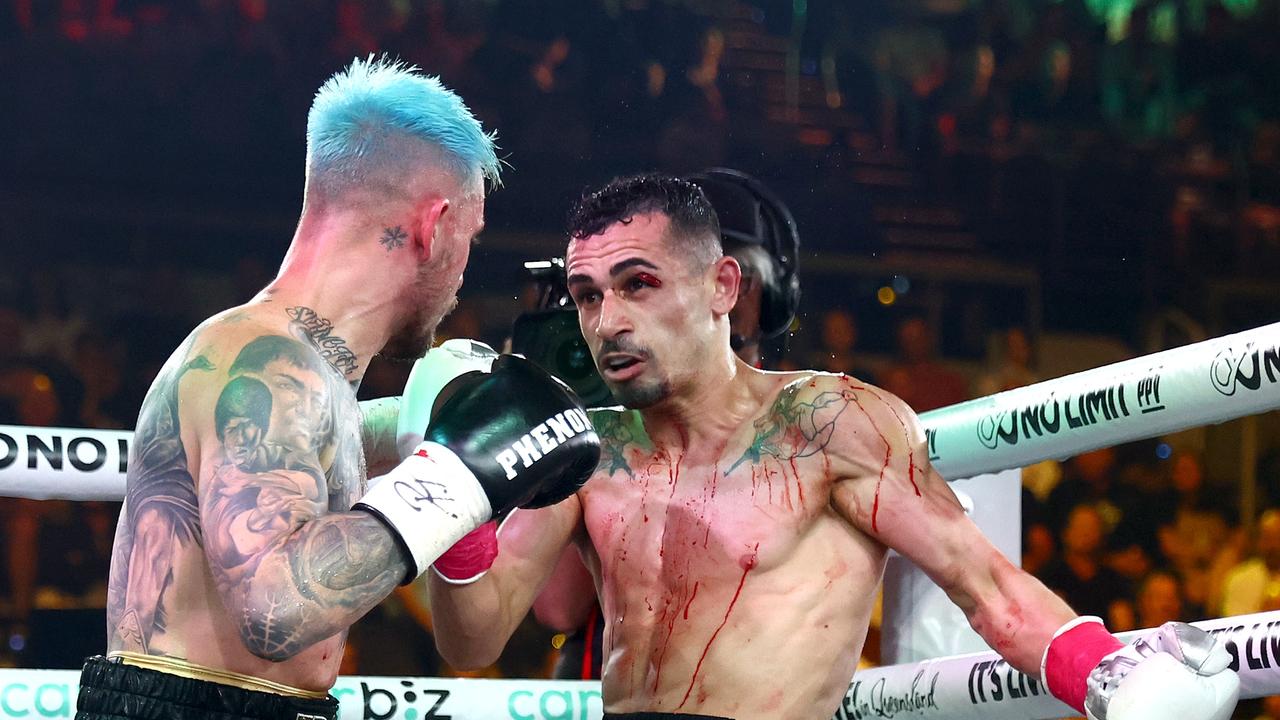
x=429, y=216
x=726, y=276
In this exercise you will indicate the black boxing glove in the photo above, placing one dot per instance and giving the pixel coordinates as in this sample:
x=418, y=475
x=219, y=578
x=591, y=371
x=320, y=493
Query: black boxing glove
x=535, y=446
x=503, y=439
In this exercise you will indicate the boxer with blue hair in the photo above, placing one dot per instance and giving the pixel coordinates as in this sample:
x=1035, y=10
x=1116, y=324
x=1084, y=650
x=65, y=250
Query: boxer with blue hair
x=250, y=539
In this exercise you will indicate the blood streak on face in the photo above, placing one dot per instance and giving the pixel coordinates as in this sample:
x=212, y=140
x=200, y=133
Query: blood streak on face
x=648, y=279
x=748, y=562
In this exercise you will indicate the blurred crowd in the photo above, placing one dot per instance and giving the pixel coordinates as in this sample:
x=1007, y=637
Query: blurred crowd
x=1165, y=114
x=1141, y=126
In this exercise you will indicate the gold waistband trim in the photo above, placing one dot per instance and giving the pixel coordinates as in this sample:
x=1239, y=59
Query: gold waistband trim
x=182, y=668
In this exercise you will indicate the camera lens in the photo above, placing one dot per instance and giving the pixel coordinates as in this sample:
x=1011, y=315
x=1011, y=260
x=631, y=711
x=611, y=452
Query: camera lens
x=552, y=340
x=574, y=360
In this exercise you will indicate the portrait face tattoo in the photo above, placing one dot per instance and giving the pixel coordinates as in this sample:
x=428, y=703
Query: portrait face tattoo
x=243, y=415
x=295, y=381
x=299, y=399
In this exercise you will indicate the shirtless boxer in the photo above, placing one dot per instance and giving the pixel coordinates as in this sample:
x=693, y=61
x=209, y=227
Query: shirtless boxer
x=738, y=523
x=249, y=540
x=757, y=230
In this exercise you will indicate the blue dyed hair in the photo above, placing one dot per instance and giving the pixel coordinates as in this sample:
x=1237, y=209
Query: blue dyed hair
x=362, y=117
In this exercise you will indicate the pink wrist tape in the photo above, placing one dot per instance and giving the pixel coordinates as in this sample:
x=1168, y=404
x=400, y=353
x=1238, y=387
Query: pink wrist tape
x=1072, y=656
x=471, y=556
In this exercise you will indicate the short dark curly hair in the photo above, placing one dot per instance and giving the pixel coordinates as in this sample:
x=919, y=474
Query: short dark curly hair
x=694, y=225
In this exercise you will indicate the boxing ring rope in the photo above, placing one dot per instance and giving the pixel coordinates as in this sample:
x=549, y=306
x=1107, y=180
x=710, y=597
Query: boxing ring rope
x=1205, y=383
x=1201, y=384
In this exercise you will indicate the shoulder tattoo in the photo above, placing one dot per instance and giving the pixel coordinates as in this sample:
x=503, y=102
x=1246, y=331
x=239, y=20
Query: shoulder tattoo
x=795, y=428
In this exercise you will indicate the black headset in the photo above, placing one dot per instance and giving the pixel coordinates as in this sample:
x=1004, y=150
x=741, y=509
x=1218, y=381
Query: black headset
x=750, y=213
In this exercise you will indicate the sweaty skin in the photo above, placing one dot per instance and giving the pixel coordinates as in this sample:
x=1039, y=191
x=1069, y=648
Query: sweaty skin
x=736, y=528
x=729, y=559
x=233, y=549
x=738, y=580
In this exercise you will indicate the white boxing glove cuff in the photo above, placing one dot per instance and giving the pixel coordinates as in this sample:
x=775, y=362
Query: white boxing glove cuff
x=430, y=500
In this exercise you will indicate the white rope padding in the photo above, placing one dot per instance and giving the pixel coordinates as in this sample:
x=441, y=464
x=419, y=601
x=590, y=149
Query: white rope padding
x=1204, y=383
x=1208, y=382
x=63, y=463
x=980, y=686
x=1201, y=384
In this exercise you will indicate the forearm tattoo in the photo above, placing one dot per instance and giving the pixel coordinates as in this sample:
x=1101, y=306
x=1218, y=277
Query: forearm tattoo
x=339, y=566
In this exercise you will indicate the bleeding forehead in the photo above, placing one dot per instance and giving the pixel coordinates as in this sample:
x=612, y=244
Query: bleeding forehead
x=644, y=235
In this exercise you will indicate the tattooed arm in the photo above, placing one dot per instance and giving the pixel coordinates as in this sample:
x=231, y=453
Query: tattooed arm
x=887, y=489
x=289, y=571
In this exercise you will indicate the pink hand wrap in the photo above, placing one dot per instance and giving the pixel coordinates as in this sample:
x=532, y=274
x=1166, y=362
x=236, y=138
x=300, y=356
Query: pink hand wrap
x=1072, y=654
x=471, y=556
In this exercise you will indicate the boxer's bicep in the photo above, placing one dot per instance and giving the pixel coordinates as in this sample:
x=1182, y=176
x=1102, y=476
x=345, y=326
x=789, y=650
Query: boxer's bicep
x=289, y=572
x=914, y=513
x=884, y=484
x=530, y=544
x=890, y=492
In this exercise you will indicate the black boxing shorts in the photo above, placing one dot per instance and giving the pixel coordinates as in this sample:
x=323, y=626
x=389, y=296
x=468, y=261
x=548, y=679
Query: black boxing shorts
x=661, y=716
x=580, y=655
x=111, y=689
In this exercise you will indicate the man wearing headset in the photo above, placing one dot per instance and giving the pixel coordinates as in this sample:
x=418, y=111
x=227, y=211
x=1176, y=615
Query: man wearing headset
x=757, y=230
x=739, y=520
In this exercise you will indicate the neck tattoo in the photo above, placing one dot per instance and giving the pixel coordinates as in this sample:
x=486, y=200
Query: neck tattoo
x=308, y=326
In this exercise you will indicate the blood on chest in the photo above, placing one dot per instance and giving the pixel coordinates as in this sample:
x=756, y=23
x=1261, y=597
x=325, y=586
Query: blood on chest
x=671, y=526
